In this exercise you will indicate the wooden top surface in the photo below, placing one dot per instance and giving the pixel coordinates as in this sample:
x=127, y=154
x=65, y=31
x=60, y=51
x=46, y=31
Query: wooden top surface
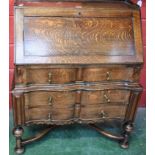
x=104, y=4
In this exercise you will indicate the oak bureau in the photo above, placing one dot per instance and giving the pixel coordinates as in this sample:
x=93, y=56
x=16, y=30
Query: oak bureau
x=76, y=62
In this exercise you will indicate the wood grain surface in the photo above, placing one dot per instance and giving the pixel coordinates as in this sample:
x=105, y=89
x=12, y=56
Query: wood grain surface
x=50, y=99
x=110, y=4
x=48, y=75
x=78, y=34
x=55, y=74
x=49, y=114
x=77, y=63
x=120, y=73
x=57, y=36
x=102, y=112
x=108, y=97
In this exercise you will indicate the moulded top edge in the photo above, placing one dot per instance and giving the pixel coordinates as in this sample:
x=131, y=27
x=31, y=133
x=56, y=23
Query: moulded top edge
x=105, y=4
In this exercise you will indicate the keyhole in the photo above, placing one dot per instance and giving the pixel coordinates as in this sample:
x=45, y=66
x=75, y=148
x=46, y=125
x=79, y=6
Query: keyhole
x=79, y=13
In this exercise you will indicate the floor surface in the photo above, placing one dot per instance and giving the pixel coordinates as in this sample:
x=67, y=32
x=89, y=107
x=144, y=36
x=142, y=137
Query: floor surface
x=81, y=140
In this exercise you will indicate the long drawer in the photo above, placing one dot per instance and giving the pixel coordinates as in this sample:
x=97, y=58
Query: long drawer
x=49, y=114
x=51, y=99
x=93, y=112
x=120, y=73
x=48, y=75
x=58, y=75
x=60, y=106
x=105, y=97
x=104, y=112
x=69, y=98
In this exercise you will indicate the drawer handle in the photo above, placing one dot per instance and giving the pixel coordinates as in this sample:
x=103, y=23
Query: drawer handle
x=49, y=77
x=103, y=114
x=106, y=97
x=49, y=117
x=19, y=71
x=108, y=76
x=50, y=101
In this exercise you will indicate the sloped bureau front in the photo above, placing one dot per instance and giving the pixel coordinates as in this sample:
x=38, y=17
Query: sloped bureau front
x=76, y=63
x=57, y=36
x=78, y=35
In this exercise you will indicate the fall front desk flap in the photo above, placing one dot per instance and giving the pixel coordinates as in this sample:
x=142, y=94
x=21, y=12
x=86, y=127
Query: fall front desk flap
x=77, y=33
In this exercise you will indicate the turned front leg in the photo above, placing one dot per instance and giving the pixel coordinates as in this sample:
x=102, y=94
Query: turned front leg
x=19, y=119
x=18, y=132
x=127, y=130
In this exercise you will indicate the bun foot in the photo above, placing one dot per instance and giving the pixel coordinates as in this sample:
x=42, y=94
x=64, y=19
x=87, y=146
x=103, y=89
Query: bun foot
x=19, y=150
x=18, y=131
x=127, y=130
x=124, y=145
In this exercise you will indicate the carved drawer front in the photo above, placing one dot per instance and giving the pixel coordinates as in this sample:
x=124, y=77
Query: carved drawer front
x=51, y=99
x=50, y=76
x=103, y=112
x=108, y=74
x=48, y=114
x=105, y=97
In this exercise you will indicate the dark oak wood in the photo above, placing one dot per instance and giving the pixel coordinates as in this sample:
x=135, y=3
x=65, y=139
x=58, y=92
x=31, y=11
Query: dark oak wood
x=37, y=136
x=18, y=131
x=44, y=76
x=49, y=114
x=76, y=63
x=106, y=133
x=83, y=35
x=78, y=36
x=128, y=127
x=79, y=86
x=51, y=99
x=72, y=3
x=102, y=112
x=66, y=74
x=64, y=0
x=108, y=97
x=120, y=73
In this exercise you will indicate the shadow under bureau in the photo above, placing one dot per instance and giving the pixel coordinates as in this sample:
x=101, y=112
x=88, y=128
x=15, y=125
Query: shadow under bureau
x=77, y=63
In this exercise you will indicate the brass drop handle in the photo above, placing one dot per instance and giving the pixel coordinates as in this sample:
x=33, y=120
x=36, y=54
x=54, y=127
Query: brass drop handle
x=103, y=114
x=107, y=98
x=107, y=76
x=50, y=101
x=19, y=71
x=49, y=77
x=49, y=116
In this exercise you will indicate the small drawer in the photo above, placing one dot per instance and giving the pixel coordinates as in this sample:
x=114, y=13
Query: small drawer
x=103, y=112
x=108, y=74
x=105, y=97
x=49, y=114
x=50, y=76
x=51, y=99
x=43, y=75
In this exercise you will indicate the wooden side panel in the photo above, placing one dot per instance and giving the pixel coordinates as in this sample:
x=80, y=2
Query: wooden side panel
x=132, y=107
x=18, y=109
